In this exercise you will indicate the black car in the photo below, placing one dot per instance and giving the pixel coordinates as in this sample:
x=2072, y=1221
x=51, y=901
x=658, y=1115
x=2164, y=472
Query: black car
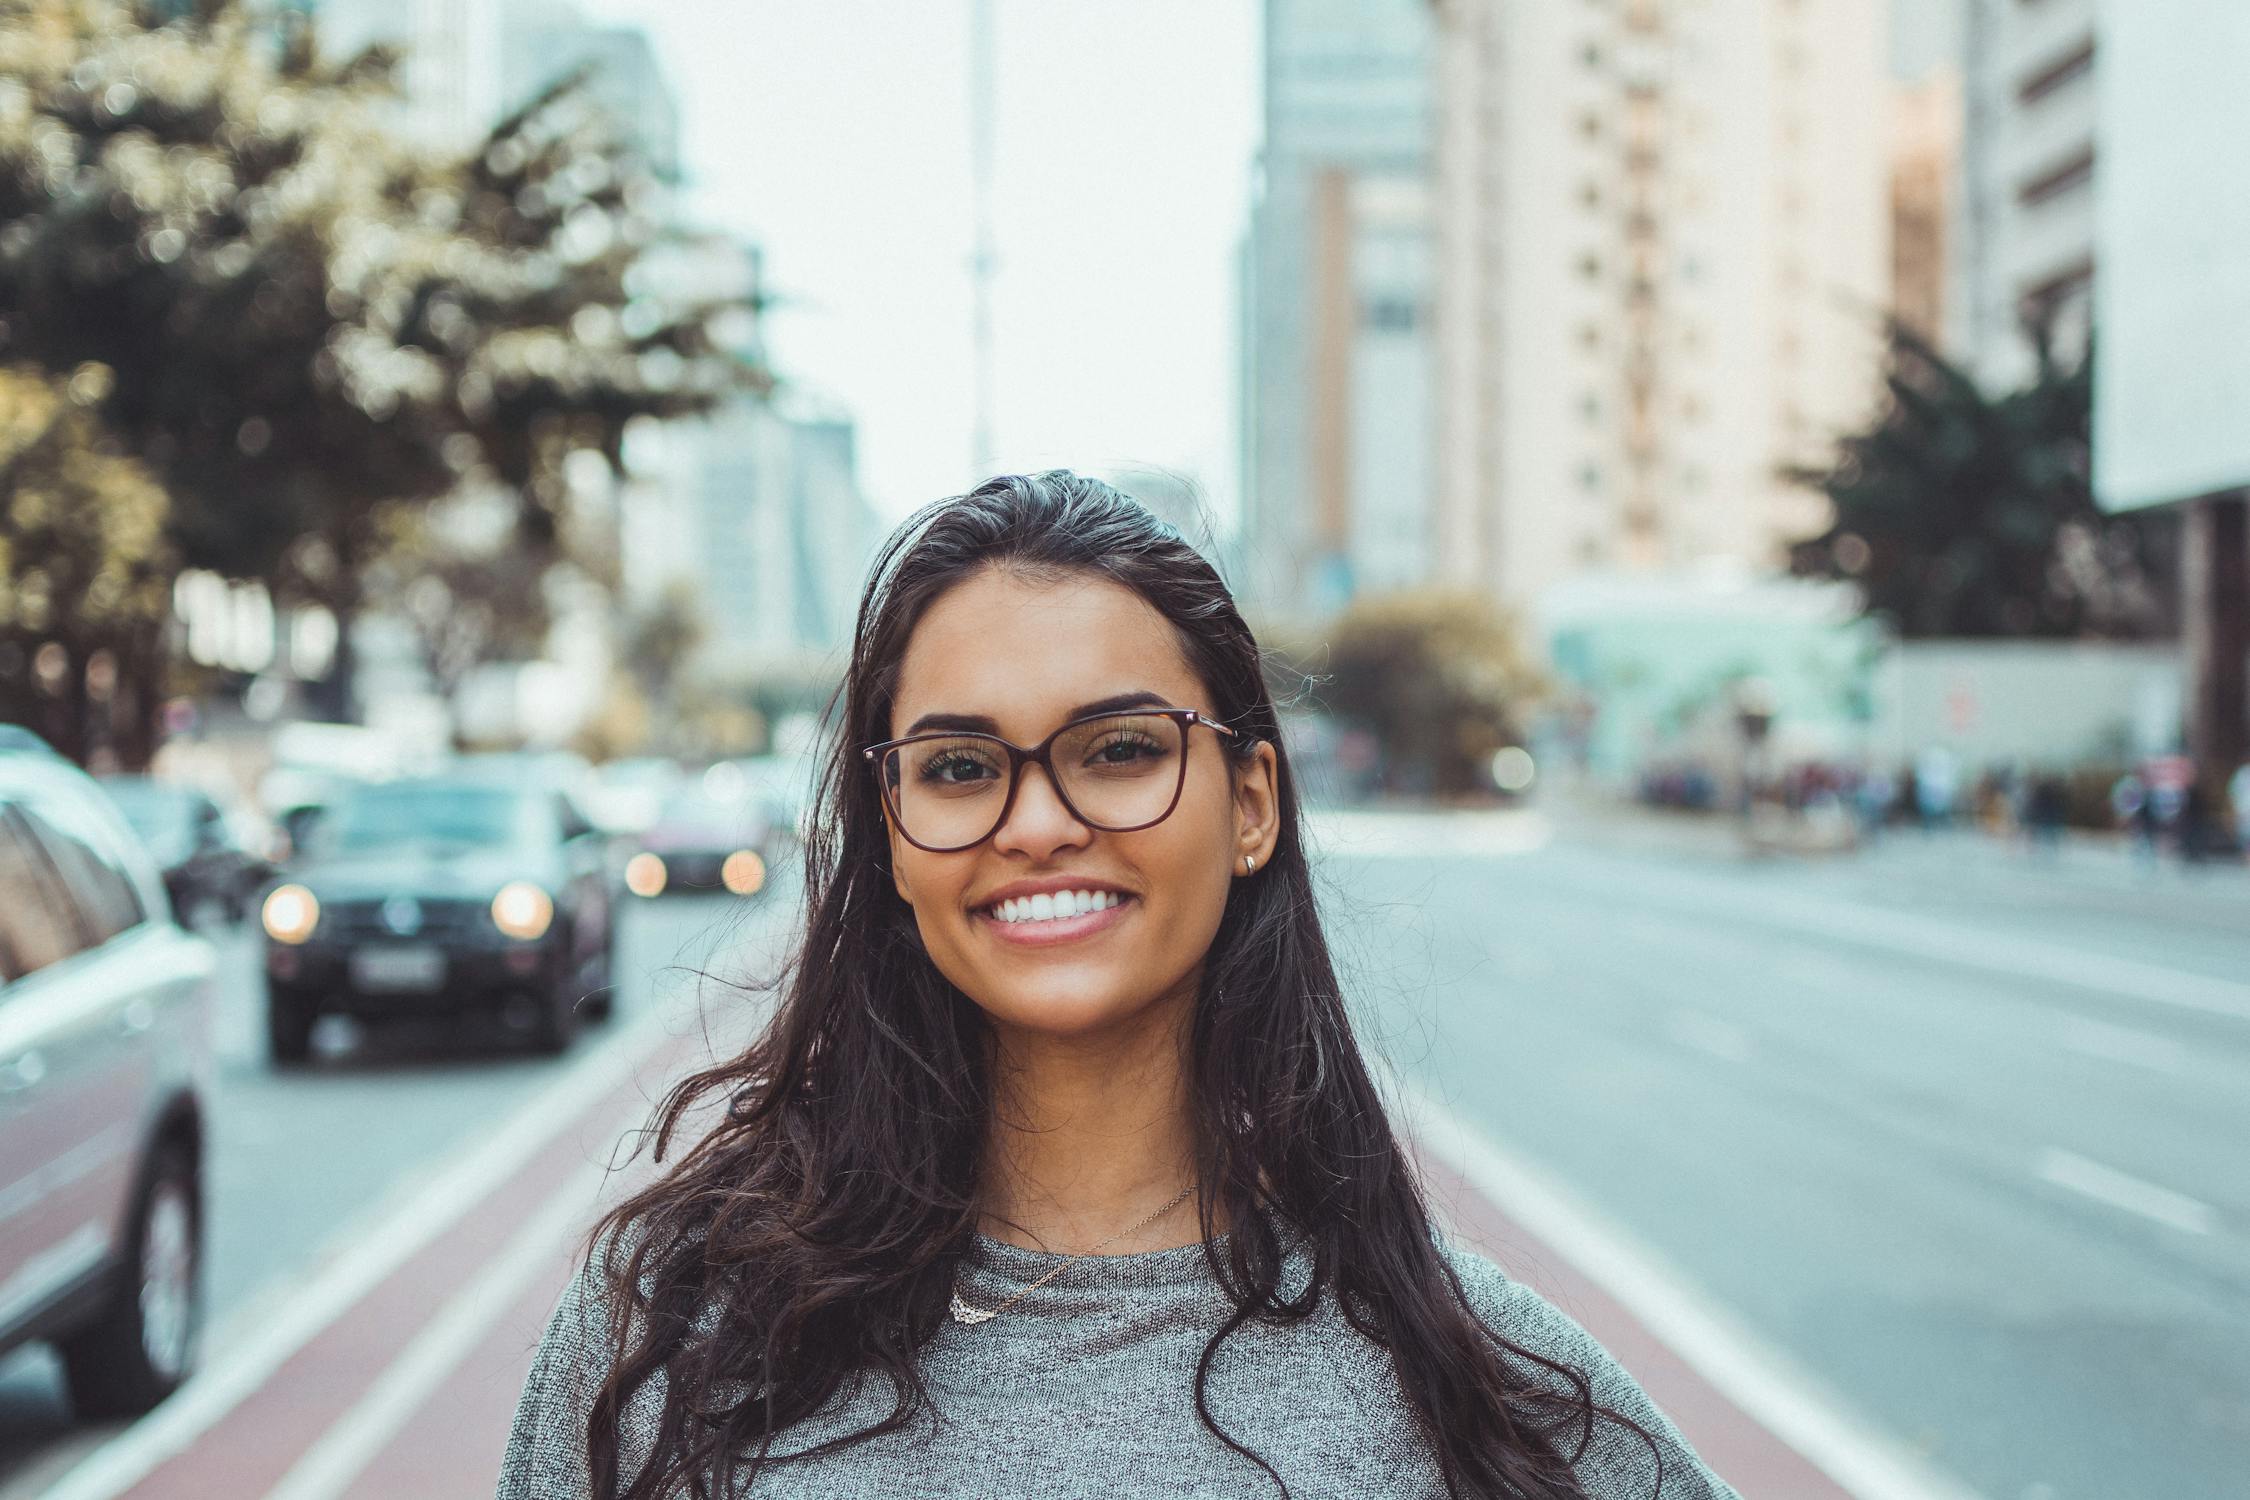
x=105, y=1068
x=442, y=896
x=206, y=868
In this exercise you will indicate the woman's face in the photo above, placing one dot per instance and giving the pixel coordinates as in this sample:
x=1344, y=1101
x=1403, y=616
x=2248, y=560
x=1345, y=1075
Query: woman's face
x=1027, y=656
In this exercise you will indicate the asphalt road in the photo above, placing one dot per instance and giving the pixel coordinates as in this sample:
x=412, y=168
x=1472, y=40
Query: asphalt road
x=1965, y=1135
x=305, y=1164
x=1960, y=1135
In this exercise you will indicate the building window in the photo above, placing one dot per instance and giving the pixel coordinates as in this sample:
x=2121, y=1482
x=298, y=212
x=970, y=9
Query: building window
x=1590, y=335
x=1590, y=477
x=1589, y=266
x=2073, y=171
x=1389, y=315
x=1591, y=195
x=2064, y=70
x=1590, y=125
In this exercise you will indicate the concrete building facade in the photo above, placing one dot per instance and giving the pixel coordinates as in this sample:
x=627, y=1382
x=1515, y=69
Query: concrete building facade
x=1337, y=400
x=1925, y=175
x=2025, y=247
x=1663, y=254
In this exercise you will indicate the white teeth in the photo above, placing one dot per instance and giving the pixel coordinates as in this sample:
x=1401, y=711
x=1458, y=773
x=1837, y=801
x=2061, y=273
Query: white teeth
x=1047, y=906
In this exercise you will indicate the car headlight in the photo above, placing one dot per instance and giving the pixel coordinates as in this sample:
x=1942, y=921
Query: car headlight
x=522, y=910
x=290, y=914
x=645, y=874
x=743, y=873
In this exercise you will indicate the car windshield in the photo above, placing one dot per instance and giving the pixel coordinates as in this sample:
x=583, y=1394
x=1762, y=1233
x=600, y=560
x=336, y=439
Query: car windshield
x=157, y=812
x=427, y=813
x=692, y=807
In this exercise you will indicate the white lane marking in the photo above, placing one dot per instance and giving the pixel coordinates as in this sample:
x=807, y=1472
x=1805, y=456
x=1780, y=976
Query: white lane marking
x=1789, y=1401
x=1707, y=1033
x=2123, y=1190
x=327, y=1467
x=467, y=1181
x=1359, y=834
x=1950, y=942
x=2123, y=1044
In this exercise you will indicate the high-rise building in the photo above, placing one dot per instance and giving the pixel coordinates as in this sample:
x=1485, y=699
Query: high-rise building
x=1662, y=263
x=1336, y=294
x=1925, y=172
x=2026, y=240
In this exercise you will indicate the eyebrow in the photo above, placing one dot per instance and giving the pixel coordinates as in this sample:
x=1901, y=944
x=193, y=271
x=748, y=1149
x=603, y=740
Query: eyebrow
x=982, y=724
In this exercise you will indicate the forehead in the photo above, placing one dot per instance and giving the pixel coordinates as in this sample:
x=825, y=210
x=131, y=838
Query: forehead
x=1026, y=653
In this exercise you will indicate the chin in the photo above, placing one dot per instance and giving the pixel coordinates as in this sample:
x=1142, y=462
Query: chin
x=1068, y=1013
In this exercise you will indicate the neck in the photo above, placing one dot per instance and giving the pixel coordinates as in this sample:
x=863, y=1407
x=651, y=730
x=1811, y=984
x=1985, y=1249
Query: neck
x=1089, y=1135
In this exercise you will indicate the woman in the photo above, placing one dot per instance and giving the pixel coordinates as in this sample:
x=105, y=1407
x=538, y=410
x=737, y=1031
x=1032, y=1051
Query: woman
x=1057, y=1172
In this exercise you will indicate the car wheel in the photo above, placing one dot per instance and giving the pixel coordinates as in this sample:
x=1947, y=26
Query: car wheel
x=600, y=998
x=555, y=1025
x=142, y=1346
x=289, y=1025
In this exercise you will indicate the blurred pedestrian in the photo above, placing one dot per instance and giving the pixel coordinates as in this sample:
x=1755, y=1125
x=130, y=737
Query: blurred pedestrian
x=1090, y=1007
x=1936, y=783
x=2135, y=811
x=2046, y=808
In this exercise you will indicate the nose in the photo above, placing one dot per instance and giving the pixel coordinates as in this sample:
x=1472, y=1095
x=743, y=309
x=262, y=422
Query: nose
x=1040, y=820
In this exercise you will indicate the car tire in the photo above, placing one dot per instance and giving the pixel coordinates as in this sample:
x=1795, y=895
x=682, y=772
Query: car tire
x=289, y=1026
x=142, y=1345
x=600, y=999
x=556, y=1025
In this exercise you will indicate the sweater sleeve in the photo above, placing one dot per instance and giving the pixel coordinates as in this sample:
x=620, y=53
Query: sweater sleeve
x=546, y=1453
x=1617, y=1463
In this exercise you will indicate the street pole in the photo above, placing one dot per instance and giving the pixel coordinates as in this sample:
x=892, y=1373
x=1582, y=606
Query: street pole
x=982, y=257
x=2215, y=589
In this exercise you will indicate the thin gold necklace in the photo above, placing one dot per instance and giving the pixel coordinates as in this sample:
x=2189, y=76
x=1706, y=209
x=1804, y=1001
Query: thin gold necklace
x=964, y=1312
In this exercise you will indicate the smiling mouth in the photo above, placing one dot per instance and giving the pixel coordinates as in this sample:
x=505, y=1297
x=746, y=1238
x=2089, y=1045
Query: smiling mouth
x=1040, y=930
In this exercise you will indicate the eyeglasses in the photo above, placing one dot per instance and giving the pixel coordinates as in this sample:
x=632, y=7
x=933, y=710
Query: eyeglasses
x=1117, y=772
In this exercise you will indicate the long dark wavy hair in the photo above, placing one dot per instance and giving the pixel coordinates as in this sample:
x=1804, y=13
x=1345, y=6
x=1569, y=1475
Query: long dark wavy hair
x=811, y=1233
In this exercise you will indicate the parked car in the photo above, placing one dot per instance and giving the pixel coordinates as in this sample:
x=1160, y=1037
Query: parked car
x=442, y=895
x=104, y=1074
x=207, y=865
x=706, y=837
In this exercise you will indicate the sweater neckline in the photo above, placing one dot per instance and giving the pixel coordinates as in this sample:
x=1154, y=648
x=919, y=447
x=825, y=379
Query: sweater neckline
x=1015, y=1266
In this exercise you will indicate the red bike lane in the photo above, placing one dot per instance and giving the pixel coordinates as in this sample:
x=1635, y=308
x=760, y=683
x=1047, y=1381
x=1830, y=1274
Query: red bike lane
x=406, y=1392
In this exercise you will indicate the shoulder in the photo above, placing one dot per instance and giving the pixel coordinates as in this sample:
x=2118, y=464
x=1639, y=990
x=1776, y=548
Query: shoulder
x=546, y=1456
x=1617, y=1461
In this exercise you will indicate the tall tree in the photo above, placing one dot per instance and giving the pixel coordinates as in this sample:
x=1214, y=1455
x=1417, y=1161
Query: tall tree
x=85, y=571
x=1960, y=513
x=313, y=324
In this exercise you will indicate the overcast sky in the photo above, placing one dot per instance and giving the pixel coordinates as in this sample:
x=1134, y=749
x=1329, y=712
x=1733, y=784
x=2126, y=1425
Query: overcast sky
x=836, y=134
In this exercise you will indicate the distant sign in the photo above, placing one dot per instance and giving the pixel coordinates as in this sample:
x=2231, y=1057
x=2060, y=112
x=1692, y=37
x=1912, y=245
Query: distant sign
x=2172, y=220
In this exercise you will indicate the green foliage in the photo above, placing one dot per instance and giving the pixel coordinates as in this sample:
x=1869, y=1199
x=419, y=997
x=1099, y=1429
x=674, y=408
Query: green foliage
x=1960, y=513
x=317, y=327
x=85, y=573
x=1439, y=676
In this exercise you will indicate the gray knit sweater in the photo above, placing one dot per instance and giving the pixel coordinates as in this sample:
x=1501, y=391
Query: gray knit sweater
x=1086, y=1388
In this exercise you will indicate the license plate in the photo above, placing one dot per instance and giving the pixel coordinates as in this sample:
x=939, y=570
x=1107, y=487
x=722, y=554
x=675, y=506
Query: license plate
x=398, y=969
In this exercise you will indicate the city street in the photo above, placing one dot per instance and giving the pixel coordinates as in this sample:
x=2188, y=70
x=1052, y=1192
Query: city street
x=1929, y=1154
x=1960, y=1134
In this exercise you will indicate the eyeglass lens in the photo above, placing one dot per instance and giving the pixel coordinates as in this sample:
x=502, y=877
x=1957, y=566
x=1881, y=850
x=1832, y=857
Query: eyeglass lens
x=1120, y=771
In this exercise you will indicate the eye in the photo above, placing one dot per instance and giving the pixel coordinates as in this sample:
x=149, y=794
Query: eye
x=951, y=768
x=1136, y=746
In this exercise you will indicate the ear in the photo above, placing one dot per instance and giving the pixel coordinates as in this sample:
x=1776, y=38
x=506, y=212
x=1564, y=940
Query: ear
x=1257, y=807
x=898, y=866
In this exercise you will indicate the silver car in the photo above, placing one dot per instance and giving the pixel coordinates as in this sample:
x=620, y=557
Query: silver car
x=104, y=1062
